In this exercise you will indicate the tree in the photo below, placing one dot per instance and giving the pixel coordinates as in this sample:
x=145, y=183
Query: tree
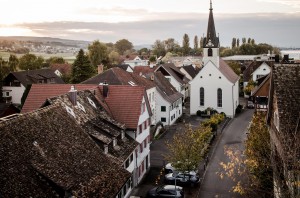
x=186, y=44
x=1, y=80
x=123, y=45
x=235, y=66
x=97, y=53
x=249, y=40
x=233, y=44
x=159, y=48
x=196, y=43
x=247, y=49
x=187, y=148
x=238, y=43
x=114, y=57
x=255, y=168
x=30, y=62
x=55, y=60
x=249, y=87
x=82, y=68
x=244, y=40
x=171, y=45
x=252, y=42
x=13, y=62
x=201, y=42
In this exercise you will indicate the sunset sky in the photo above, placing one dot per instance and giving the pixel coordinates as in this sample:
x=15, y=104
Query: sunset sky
x=143, y=21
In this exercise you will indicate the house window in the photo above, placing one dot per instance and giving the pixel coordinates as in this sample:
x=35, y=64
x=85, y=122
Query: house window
x=140, y=129
x=219, y=97
x=201, y=96
x=149, y=97
x=163, y=108
x=153, y=96
x=141, y=147
x=145, y=125
x=163, y=119
x=145, y=143
x=143, y=108
x=209, y=52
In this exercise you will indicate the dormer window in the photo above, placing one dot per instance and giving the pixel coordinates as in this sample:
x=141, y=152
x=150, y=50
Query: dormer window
x=210, y=52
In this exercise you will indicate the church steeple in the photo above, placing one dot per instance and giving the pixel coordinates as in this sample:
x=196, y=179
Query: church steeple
x=211, y=39
x=211, y=42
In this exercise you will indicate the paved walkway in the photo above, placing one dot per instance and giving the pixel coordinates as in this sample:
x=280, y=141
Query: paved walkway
x=233, y=136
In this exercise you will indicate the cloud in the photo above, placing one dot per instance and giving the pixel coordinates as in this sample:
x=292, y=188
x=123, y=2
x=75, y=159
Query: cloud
x=293, y=3
x=273, y=28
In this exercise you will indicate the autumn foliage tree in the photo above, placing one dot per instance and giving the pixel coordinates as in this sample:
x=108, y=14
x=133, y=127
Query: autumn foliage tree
x=187, y=148
x=251, y=170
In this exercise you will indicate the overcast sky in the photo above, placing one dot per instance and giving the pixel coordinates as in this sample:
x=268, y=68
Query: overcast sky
x=276, y=22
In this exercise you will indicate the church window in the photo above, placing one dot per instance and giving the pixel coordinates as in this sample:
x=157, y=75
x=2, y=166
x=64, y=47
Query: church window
x=201, y=96
x=209, y=52
x=219, y=97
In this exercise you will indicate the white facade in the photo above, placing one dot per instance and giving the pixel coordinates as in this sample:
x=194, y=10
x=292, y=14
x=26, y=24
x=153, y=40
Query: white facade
x=167, y=112
x=262, y=70
x=211, y=79
x=142, y=153
x=15, y=92
x=137, y=61
x=183, y=89
x=151, y=93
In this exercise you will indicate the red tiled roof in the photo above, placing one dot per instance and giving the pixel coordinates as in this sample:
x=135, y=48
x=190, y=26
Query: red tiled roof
x=40, y=92
x=125, y=103
x=228, y=72
x=143, y=70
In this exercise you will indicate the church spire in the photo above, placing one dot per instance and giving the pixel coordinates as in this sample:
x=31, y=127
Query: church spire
x=211, y=39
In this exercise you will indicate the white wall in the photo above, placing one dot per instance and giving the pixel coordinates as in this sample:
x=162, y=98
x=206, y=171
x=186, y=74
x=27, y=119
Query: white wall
x=214, y=58
x=151, y=93
x=211, y=80
x=263, y=69
x=16, y=93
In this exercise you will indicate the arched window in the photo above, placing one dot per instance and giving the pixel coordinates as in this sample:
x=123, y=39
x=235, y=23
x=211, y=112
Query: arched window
x=201, y=96
x=219, y=97
x=210, y=52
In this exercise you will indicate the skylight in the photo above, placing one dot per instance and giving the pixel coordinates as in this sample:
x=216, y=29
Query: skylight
x=131, y=83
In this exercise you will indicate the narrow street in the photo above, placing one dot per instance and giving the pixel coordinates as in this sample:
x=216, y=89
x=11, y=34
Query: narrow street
x=233, y=136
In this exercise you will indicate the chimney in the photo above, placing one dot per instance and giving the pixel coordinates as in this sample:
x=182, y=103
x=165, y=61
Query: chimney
x=152, y=77
x=100, y=69
x=105, y=89
x=114, y=142
x=122, y=134
x=73, y=95
x=105, y=149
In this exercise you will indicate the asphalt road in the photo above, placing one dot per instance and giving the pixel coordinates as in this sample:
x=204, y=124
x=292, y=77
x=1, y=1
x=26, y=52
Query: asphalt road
x=233, y=137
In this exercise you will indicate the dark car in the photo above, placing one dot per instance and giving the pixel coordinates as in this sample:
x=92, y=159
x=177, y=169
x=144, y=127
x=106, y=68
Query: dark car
x=182, y=179
x=166, y=191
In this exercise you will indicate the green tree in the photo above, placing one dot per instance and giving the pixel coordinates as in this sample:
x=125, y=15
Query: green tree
x=244, y=40
x=247, y=49
x=144, y=51
x=249, y=40
x=30, y=62
x=97, y=52
x=123, y=45
x=55, y=60
x=252, y=42
x=196, y=43
x=249, y=87
x=201, y=42
x=82, y=68
x=13, y=62
x=238, y=43
x=186, y=45
x=233, y=44
x=158, y=48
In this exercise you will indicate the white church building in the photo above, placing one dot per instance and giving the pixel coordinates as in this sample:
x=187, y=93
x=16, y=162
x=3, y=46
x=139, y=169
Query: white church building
x=216, y=85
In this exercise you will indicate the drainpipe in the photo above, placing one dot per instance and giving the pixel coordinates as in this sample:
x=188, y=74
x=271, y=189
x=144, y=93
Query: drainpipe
x=232, y=101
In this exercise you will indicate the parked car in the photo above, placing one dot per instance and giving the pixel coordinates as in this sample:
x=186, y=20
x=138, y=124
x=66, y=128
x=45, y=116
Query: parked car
x=170, y=169
x=182, y=179
x=250, y=104
x=166, y=191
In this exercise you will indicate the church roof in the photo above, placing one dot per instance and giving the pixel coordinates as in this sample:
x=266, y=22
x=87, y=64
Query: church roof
x=211, y=31
x=228, y=72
